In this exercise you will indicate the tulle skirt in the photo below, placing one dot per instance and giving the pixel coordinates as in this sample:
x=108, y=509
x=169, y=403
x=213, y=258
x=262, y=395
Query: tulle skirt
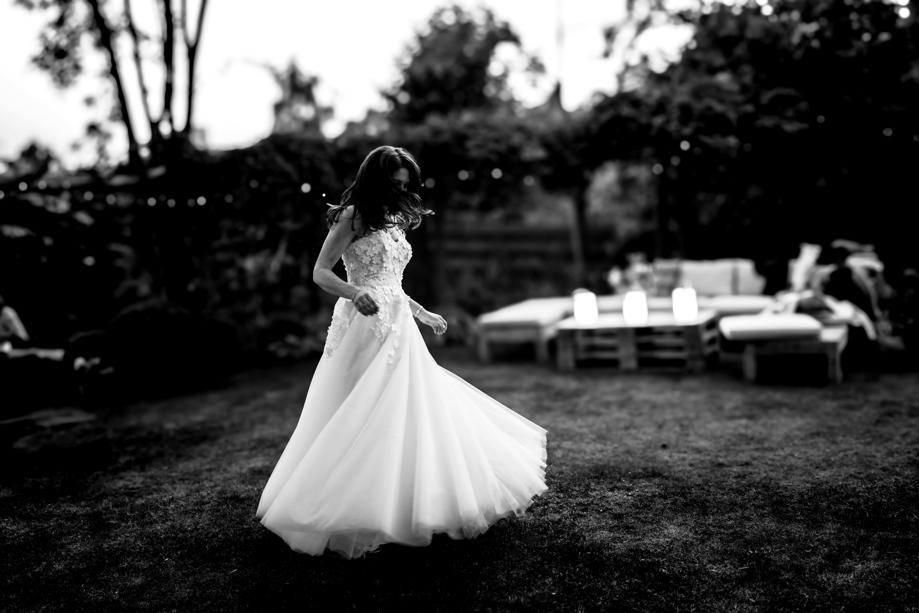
x=392, y=448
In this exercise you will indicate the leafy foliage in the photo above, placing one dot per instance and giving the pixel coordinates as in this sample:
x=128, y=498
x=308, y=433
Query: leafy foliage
x=220, y=244
x=779, y=123
x=448, y=68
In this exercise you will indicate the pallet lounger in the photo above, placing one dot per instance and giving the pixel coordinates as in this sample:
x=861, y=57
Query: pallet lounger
x=786, y=334
x=530, y=321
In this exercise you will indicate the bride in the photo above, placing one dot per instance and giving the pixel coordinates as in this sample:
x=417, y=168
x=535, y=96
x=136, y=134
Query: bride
x=391, y=447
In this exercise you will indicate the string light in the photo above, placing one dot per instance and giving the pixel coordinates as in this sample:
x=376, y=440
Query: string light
x=463, y=175
x=201, y=201
x=496, y=173
x=170, y=203
x=429, y=183
x=305, y=188
x=22, y=186
x=151, y=201
x=228, y=198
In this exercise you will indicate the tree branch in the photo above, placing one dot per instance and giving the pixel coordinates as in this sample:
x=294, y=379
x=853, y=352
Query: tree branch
x=105, y=41
x=138, y=64
x=168, y=63
x=191, y=46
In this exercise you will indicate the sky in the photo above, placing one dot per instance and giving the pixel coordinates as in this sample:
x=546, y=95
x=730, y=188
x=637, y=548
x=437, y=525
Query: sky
x=353, y=46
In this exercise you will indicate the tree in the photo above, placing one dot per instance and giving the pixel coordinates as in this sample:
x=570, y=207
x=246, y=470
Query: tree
x=453, y=108
x=562, y=169
x=448, y=67
x=298, y=111
x=61, y=55
x=780, y=122
x=622, y=38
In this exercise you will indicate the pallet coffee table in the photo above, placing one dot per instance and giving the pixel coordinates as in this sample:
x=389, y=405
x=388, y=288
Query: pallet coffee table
x=659, y=340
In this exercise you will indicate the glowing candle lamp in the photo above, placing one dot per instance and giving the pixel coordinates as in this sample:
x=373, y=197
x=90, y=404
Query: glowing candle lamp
x=635, y=307
x=685, y=304
x=585, y=307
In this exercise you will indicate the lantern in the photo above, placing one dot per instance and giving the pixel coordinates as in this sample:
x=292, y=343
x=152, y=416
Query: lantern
x=685, y=305
x=585, y=307
x=635, y=307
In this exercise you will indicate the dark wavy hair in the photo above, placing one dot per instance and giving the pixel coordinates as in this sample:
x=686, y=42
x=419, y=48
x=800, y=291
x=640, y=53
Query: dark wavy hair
x=377, y=198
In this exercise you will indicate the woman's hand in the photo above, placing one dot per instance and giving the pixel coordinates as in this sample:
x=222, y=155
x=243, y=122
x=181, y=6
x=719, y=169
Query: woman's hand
x=365, y=303
x=433, y=320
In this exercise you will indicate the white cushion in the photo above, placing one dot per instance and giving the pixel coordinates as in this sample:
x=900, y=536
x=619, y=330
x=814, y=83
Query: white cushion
x=767, y=326
x=708, y=277
x=535, y=311
x=748, y=280
x=737, y=305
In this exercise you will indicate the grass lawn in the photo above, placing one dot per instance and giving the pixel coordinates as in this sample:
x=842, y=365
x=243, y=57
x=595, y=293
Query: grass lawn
x=665, y=493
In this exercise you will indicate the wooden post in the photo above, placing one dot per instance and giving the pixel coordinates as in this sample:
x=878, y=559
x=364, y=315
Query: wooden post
x=695, y=349
x=565, y=357
x=628, y=349
x=542, y=349
x=482, y=347
x=749, y=362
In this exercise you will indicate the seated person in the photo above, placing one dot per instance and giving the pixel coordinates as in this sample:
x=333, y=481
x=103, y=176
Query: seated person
x=12, y=332
x=844, y=278
x=15, y=341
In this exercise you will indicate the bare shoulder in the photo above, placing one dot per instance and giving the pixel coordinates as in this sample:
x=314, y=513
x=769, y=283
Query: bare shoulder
x=352, y=218
x=348, y=212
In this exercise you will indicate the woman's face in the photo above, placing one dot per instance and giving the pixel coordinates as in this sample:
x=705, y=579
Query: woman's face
x=400, y=178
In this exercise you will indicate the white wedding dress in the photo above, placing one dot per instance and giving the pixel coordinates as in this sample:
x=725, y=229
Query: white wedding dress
x=390, y=446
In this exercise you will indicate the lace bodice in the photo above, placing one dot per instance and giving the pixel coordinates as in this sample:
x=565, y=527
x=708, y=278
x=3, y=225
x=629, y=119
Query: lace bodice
x=374, y=262
x=378, y=259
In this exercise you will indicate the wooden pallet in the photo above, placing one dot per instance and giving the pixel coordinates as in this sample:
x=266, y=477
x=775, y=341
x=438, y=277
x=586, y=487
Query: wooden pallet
x=661, y=342
x=830, y=344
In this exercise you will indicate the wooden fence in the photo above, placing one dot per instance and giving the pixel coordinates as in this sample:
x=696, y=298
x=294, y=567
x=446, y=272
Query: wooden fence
x=488, y=266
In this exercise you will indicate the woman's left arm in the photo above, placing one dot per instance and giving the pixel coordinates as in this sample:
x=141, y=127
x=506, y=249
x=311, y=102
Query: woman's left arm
x=415, y=306
x=435, y=321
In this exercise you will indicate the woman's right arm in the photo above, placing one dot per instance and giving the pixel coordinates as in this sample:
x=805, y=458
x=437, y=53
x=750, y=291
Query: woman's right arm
x=339, y=237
